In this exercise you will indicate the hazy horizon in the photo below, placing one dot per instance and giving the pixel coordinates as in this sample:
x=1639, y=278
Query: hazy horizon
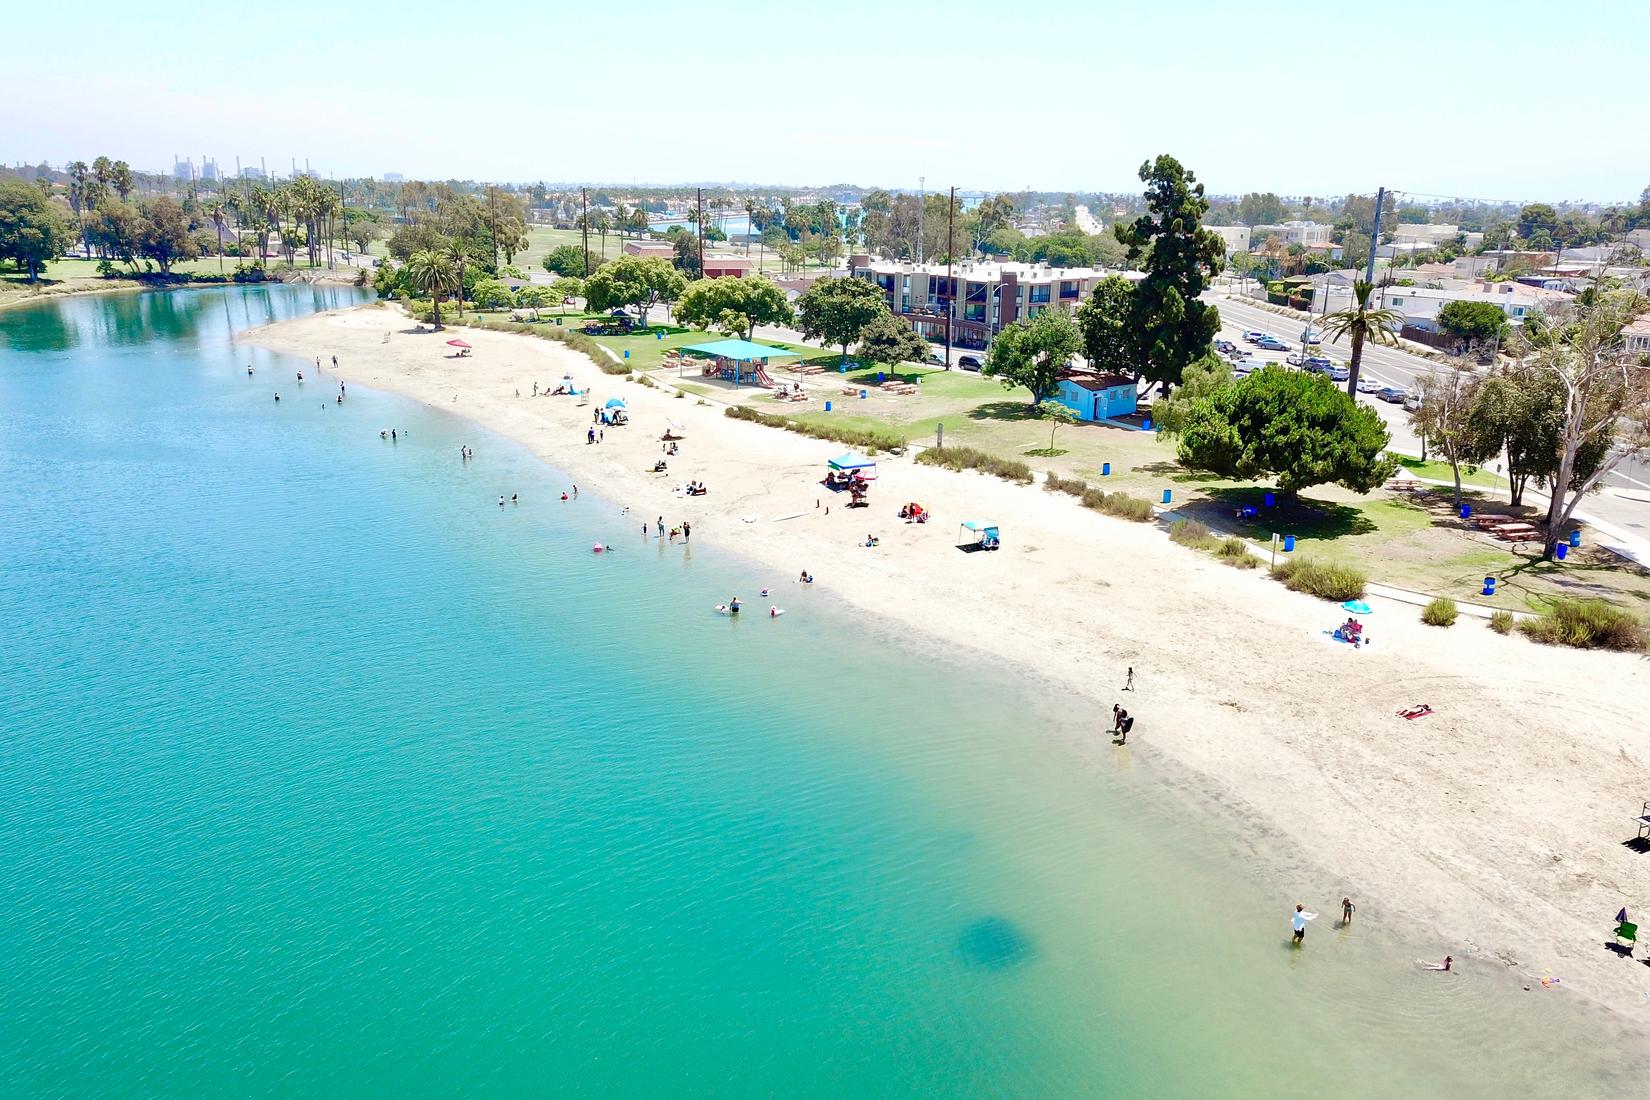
x=1460, y=104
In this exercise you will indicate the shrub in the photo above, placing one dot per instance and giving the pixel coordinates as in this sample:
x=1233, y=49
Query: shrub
x=865, y=439
x=1586, y=624
x=1054, y=483
x=1189, y=532
x=1235, y=552
x=1326, y=579
x=1501, y=622
x=967, y=458
x=1123, y=506
x=1440, y=612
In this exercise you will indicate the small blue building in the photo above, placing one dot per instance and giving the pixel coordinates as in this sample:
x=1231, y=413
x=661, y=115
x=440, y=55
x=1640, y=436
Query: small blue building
x=1098, y=396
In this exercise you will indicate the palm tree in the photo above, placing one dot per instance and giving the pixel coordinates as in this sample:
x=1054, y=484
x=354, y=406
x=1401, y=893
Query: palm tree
x=1362, y=323
x=433, y=273
x=458, y=254
x=216, y=212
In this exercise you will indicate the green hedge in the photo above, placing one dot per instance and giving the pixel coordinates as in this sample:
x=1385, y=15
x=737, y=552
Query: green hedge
x=967, y=458
x=1586, y=624
x=1440, y=612
x=1121, y=505
x=865, y=439
x=1326, y=579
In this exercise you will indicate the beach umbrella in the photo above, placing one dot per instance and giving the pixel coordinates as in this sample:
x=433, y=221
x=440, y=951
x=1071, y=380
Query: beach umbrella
x=615, y=402
x=457, y=344
x=1357, y=607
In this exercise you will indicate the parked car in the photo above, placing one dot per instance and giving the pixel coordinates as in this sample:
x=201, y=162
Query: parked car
x=1366, y=384
x=1411, y=403
x=1338, y=373
x=969, y=362
x=1392, y=395
x=1244, y=364
x=1254, y=335
x=937, y=358
x=1225, y=347
x=1271, y=343
x=1296, y=360
x=1316, y=363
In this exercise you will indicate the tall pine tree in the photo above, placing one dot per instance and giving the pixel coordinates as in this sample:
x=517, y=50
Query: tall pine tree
x=1168, y=325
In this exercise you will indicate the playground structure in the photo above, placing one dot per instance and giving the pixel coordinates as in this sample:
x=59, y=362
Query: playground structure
x=737, y=361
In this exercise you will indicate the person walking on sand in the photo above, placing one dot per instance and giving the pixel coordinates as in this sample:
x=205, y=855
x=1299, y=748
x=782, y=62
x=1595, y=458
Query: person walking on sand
x=1128, y=684
x=334, y=362
x=1346, y=911
x=589, y=436
x=1298, y=922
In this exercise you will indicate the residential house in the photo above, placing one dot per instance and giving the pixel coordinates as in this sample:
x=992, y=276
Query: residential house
x=1296, y=232
x=727, y=267
x=1235, y=237
x=1420, y=305
x=664, y=250
x=1098, y=396
x=1637, y=335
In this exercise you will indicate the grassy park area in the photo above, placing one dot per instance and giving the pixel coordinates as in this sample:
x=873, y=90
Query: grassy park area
x=1409, y=539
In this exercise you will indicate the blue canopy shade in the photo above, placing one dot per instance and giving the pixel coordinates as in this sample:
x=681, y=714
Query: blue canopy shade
x=615, y=402
x=851, y=461
x=741, y=351
x=980, y=526
x=1357, y=607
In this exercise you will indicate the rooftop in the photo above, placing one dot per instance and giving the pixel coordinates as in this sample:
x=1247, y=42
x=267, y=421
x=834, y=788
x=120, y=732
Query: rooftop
x=989, y=270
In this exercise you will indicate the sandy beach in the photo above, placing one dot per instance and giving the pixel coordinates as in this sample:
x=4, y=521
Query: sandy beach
x=1496, y=823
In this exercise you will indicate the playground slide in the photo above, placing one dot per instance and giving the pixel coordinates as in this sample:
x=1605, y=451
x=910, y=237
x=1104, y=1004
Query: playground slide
x=762, y=378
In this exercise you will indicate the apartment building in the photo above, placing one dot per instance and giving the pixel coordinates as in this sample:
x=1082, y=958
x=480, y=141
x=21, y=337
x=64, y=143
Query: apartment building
x=981, y=296
x=1235, y=237
x=1295, y=232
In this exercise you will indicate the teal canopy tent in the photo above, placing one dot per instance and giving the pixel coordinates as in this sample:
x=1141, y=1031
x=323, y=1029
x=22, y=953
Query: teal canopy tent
x=746, y=357
x=985, y=535
x=851, y=461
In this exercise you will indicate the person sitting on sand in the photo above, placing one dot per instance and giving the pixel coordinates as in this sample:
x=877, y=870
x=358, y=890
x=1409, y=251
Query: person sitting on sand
x=871, y=540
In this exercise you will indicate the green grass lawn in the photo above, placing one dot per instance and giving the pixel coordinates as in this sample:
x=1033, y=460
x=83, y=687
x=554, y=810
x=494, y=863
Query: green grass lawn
x=1440, y=471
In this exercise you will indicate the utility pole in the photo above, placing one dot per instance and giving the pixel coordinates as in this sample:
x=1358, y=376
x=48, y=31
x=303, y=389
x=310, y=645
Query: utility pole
x=700, y=225
x=1375, y=235
x=922, y=195
x=950, y=283
x=584, y=223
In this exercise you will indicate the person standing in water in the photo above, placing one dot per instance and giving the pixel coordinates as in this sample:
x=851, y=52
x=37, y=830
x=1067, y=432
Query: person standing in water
x=1298, y=922
x=1347, y=909
x=277, y=397
x=687, y=530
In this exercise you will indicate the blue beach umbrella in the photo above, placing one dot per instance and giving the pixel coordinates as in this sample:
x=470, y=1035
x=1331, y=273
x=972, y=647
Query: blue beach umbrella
x=1357, y=607
x=615, y=402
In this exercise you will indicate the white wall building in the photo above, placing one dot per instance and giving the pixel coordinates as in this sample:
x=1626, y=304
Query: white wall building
x=1236, y=237
x=1296, y=232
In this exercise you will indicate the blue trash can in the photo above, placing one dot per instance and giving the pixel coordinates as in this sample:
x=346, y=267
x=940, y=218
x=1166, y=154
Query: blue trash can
x=1105, y=469
x=1489, y=586
x=1167, y=495
x=842, y=368
x=1148, y=425
x=1575, y=539
x=827, y=406
x=1466, y=510
x=862, y=395
x=660, y=335
x=627, y=354
x=1271, y=500
x=1289, y=544
x=881, y=377
x=1563, y=551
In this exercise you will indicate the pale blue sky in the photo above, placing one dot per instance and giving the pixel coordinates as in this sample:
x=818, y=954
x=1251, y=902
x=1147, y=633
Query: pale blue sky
x=1515, y=99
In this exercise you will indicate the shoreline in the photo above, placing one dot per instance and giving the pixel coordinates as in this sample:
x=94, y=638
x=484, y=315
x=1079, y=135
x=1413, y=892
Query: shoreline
x=1446, y=824
x=130, y=286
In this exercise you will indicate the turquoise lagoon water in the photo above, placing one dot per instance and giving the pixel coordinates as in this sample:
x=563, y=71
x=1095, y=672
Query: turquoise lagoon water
x=320, y=774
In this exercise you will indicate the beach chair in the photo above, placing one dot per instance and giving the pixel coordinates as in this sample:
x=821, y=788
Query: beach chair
x=1627, y=935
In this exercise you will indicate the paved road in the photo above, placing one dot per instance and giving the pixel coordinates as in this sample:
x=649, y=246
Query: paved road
x=1087, y=222
x=1624, y=503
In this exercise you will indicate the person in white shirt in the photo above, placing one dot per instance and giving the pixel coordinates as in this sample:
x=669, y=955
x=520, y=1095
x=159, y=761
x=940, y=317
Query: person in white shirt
x=1298, y=922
